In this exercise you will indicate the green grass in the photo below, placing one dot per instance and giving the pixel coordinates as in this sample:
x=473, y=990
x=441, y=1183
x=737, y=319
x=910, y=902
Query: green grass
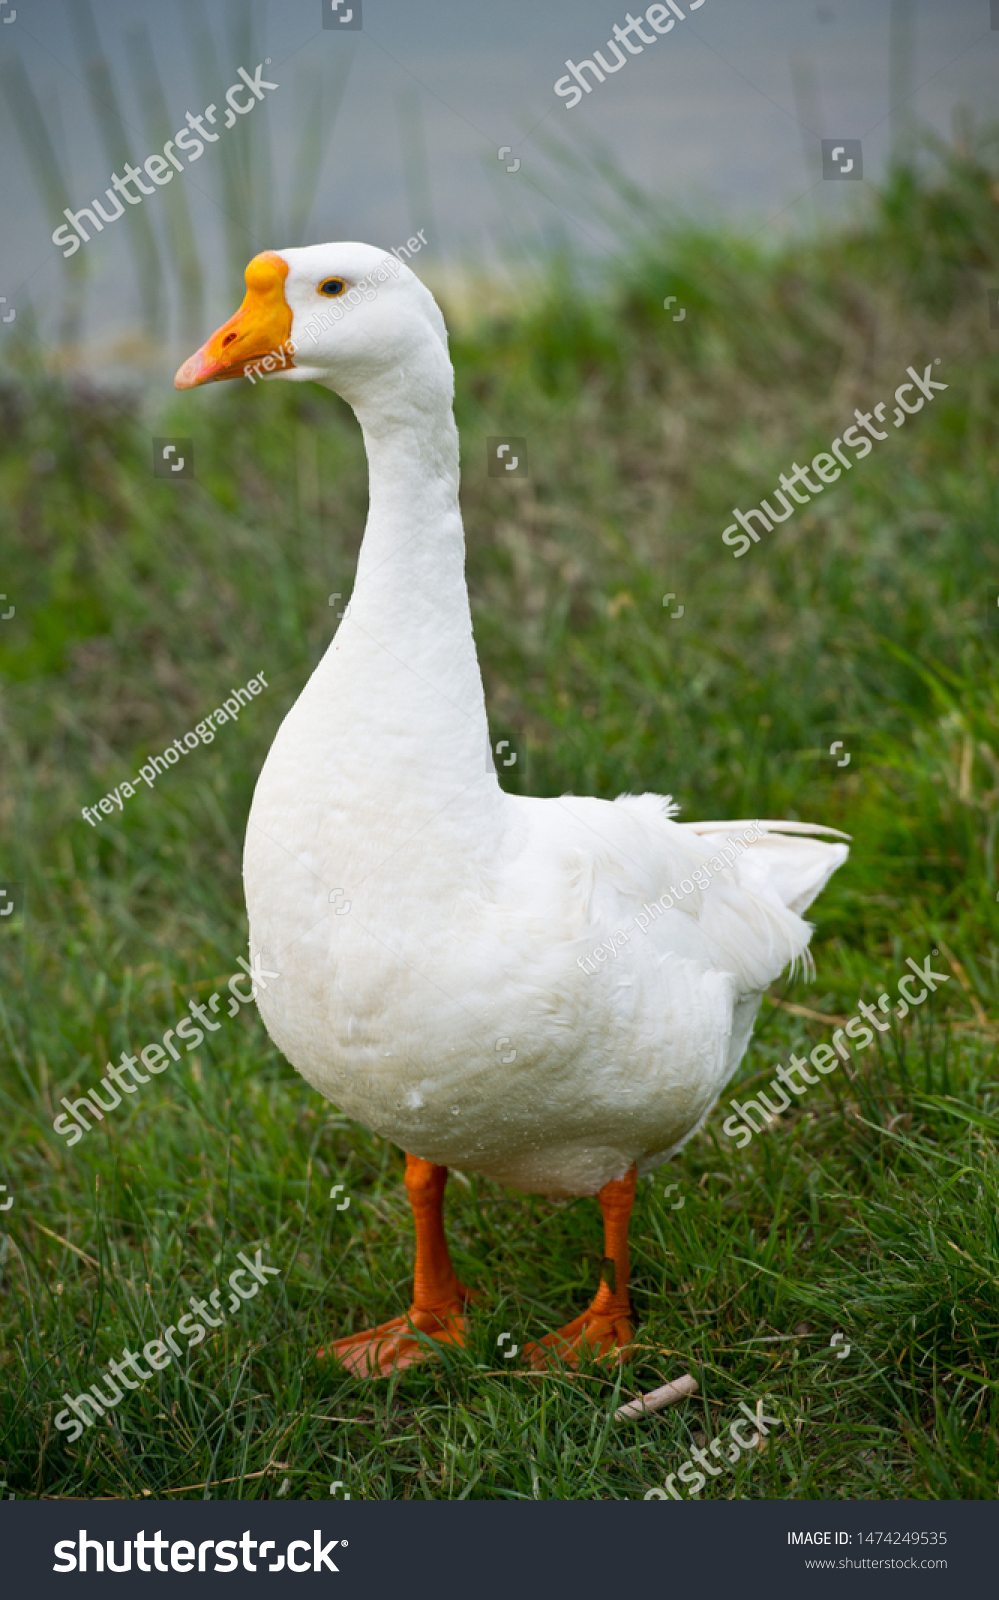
x=870, y=617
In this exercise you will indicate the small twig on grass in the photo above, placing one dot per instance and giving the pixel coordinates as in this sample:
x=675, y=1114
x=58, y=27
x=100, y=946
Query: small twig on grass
x=657, y=1399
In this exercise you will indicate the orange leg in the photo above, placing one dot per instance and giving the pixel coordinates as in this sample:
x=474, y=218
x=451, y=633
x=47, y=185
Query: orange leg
x=605, y=1328
x=438, y=1298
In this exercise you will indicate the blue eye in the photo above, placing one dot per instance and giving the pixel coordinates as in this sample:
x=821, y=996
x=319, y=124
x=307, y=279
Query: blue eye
x=332, y=287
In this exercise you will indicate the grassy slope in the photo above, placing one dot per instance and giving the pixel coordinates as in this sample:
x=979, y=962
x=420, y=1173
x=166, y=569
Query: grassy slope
x=869, y=617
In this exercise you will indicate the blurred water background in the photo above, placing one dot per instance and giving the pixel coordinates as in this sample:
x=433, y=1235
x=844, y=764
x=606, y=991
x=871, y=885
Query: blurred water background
x=375, y=133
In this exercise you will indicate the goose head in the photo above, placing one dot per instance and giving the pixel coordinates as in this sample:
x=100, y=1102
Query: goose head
x=349, y=316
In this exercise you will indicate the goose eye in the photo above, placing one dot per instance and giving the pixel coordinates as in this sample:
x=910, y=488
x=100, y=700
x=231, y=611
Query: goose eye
x=332, y=287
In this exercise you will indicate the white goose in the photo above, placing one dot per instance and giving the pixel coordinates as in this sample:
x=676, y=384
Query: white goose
x=434, y=934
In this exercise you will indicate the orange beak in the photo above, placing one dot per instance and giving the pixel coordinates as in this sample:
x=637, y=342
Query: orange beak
x=258, y=332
